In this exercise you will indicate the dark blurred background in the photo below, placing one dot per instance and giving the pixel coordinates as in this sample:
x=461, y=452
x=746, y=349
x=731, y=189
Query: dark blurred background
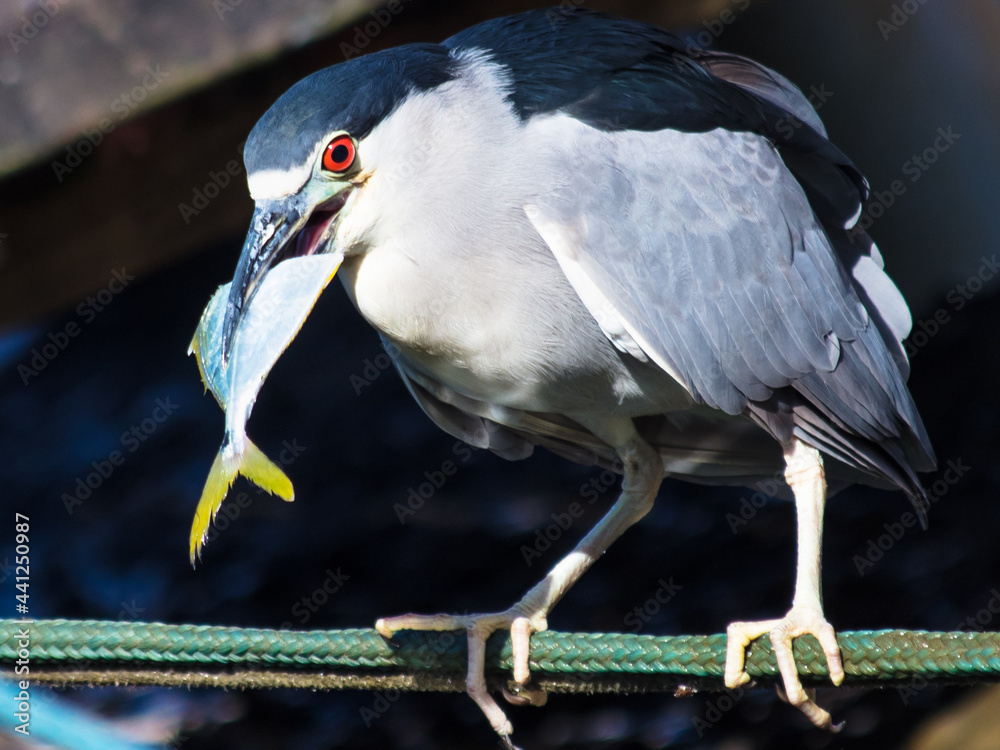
x=123, y=206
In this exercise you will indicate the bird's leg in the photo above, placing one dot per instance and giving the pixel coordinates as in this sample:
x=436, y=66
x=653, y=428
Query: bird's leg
x=804, y=474
x=643, y=471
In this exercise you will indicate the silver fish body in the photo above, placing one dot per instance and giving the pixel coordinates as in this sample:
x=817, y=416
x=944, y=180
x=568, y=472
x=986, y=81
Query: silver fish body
x=286, y=296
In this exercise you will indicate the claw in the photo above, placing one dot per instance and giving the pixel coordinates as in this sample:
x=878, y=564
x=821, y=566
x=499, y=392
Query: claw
x=797, y=622
x=478, y=629
x=525, y=696
x=819, y=717
x=643, y=469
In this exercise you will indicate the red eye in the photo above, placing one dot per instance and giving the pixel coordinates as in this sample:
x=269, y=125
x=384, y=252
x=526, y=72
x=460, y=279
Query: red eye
x=339, y=154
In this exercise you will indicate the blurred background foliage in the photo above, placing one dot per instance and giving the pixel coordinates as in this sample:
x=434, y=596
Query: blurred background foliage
x=123, y=206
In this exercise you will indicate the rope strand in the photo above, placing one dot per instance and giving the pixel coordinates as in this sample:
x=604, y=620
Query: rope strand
x=98, y=652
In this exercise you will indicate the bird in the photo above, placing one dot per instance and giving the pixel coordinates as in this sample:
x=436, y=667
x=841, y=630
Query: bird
x=575, y=231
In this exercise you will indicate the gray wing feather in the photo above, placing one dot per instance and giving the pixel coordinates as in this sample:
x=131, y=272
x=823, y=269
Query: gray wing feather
x=711, y=255
x=709, y=251
x=835, y=188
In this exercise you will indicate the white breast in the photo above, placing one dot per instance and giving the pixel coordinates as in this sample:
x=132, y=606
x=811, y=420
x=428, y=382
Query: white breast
x=442, y=259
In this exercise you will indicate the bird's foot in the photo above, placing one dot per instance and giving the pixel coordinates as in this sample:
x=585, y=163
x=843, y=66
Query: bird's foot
x=479, y=628
x=798, y=621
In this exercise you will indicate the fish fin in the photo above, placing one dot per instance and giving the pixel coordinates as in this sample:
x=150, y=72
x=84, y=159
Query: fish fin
x=266, y=474
x=194, y=349
x=220, y=479
x=251, y=463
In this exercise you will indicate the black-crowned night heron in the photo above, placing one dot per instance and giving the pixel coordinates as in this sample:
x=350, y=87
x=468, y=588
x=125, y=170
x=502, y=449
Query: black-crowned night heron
x=573, y=231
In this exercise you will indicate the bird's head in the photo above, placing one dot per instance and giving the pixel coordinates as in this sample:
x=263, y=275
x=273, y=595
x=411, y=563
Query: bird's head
x=306, y=160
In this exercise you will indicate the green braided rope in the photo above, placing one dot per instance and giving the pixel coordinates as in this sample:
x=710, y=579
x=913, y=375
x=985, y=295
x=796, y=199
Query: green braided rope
x=129, y=648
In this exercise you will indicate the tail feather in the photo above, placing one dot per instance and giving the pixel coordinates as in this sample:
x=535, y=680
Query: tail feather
x=252, y=464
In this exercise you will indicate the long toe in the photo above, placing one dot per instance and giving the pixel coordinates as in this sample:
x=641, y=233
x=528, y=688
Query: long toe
x=807, y=621
x=801, y=622
x=478, y=630
x=739, y=635
x=798, y=621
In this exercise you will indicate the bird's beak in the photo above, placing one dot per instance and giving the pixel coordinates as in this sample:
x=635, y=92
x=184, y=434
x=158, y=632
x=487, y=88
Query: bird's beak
x=280, y=229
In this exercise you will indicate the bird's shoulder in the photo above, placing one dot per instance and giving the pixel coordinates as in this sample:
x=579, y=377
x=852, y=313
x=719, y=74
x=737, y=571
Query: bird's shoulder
x=618, y=73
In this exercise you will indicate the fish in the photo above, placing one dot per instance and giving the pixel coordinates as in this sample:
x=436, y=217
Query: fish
x=273, y=319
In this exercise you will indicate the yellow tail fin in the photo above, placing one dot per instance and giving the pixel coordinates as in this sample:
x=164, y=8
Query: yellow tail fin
x=252, y=464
